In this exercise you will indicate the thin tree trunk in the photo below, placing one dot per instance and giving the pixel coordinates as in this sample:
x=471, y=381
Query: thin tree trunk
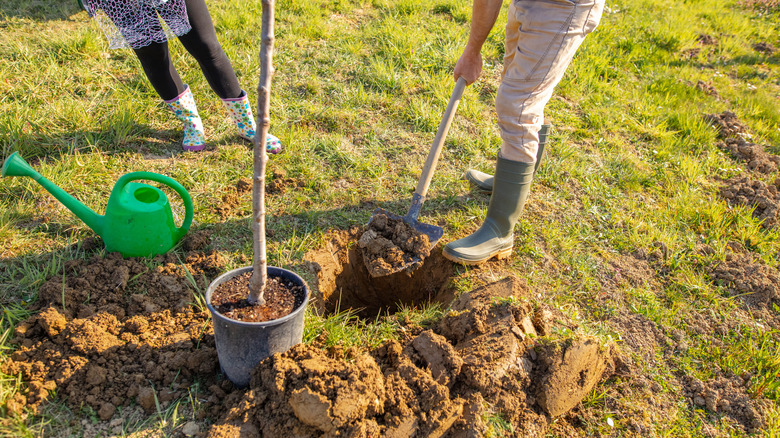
x=260, y=261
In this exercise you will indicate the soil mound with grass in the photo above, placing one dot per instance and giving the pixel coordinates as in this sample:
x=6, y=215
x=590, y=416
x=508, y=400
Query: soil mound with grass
x=755, y=157
x=753, y=281
x=727, y=123
x=389, y=244
x=763, y=197
x=113, y=334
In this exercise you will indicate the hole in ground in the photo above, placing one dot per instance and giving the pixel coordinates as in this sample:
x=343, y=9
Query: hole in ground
x=344, y=282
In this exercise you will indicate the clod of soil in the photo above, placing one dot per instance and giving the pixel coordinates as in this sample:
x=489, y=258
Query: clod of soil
x=754, y=155
x=765, y=48
x=343, y=280
x=281, y=298
x=727, y=123
x=726, y=396
x=763, y=197
x=753, y=281
x=706, y=40
x=389, y=244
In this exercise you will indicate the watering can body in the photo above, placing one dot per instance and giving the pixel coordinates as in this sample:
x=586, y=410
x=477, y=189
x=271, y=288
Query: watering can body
x=138, y=221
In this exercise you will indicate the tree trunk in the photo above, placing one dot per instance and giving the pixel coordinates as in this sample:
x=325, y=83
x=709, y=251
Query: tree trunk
x=260, y=261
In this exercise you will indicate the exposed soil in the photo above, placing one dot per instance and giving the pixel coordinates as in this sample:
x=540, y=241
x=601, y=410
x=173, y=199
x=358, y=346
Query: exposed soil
x=753, y=282
x=281, y=298
x=114, y=337
x=113, y=334
x=763, y=197
x=234, y=199
x=344, y=281
x=765, y=48
x=754, y=155
x=706, y=40
x=281, y=182
x=735, y=137
x=481, y=357
x=389, y=244
x=727, y=123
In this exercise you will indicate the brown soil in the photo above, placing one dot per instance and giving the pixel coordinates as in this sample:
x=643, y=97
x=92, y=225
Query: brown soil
x=344, y=281
x=765, y=48
x=727, y=123
x=754, y=155
x=438, y=383
x=281, y=298
x=280, y=182
x=390, y=244
x=754, y=282
x=114, y=336
x=734, y=137
x=234, y=199
x=765, y=198
x=706, y=40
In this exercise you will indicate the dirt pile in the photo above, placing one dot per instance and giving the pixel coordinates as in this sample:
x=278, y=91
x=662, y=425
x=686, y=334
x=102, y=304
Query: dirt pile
x=754, y=282
x=389, y=243
x=765, y=198
x=114, y=334
x=727, y=123
x=754, y=155
x=734, y=137
x=483, y=358
x=728, y=397
x=114, y=337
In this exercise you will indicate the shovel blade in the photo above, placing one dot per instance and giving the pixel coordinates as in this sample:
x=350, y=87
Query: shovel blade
x=433, y=232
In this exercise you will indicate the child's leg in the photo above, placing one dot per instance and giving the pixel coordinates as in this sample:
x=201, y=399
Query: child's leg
x=203, y=45
x=156, y=62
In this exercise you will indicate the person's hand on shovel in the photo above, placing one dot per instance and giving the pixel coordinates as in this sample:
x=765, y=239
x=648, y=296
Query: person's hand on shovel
x=469, y=66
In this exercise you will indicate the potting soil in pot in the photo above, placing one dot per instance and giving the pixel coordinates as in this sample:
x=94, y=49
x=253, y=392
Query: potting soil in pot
x=389, y=243
x=281, y=298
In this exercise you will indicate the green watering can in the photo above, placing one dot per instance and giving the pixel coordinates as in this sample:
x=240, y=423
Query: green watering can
x=138, y=220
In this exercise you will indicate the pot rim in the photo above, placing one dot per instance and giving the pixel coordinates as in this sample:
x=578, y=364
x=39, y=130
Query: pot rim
x=238, y=271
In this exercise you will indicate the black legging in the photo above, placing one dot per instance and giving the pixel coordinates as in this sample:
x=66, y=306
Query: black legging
x=201, y=42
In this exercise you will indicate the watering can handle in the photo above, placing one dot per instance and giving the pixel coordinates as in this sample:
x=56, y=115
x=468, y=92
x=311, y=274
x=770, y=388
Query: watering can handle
x=170, y=182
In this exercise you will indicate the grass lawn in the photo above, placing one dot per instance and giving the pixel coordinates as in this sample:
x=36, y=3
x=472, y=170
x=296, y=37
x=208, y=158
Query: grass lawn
x=634, y=177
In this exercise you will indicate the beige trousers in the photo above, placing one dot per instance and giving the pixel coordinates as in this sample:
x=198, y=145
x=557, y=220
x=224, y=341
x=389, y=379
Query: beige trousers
x=541, y=39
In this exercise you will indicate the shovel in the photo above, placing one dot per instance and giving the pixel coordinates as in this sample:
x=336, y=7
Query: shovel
x=433, y=232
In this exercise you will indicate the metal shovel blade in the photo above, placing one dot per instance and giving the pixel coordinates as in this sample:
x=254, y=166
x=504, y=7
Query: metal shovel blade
x=433, y=232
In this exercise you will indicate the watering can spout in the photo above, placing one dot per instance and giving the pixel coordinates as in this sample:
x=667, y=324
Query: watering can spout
x=15, y=165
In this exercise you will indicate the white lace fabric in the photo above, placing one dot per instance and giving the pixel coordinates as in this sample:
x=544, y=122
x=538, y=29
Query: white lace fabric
x=138, y=23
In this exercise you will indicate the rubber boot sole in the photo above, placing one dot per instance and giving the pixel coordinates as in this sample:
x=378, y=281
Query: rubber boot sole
x=499, y=255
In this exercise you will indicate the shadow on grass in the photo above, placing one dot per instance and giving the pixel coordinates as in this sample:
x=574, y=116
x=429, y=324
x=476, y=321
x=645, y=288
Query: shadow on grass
x=39, y=9
x=126, y=137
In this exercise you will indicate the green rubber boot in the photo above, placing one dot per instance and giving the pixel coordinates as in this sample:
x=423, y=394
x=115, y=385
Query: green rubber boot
x=495, y=237
x=484, y=181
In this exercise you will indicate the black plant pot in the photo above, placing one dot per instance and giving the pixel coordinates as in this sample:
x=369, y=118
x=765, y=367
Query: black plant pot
x=242, y=345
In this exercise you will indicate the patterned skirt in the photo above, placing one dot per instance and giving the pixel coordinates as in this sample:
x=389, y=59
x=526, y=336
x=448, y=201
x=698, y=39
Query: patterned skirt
x=138, y=23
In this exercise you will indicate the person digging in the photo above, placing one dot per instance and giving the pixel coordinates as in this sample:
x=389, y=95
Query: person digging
x=541, y=40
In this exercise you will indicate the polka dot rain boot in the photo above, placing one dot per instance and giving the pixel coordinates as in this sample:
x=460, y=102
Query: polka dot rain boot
x=183, y=106
x=241, y=113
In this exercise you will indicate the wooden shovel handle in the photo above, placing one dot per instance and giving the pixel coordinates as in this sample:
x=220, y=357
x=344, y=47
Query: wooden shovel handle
x=438, y=142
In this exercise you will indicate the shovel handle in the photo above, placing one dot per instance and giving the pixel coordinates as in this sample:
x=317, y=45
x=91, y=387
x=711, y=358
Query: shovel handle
x=433, y=155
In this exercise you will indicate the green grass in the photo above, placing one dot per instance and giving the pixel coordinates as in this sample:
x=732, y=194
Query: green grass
x=357, y=96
